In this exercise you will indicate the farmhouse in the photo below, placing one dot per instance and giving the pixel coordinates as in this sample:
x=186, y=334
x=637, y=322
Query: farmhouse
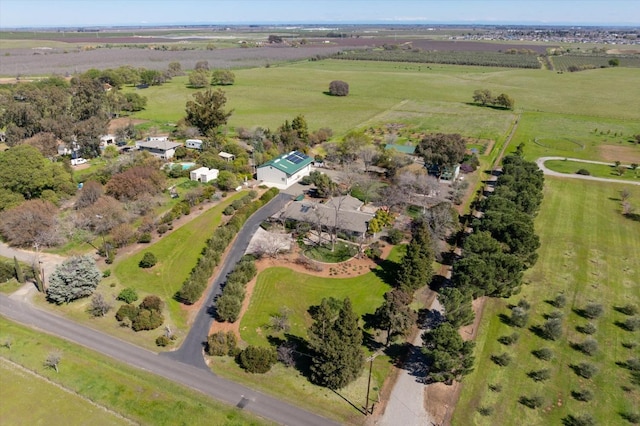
x=164, y=149
x=344, y=213
x=194, y=144
x=284, y=171
x=204, y=174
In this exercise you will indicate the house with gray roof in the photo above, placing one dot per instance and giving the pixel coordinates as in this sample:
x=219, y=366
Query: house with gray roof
x=285, y=170
x=161, y=148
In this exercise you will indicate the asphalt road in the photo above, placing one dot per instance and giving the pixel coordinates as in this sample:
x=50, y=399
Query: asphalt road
x=193, y=377
x=191, y=350
x=540, y=161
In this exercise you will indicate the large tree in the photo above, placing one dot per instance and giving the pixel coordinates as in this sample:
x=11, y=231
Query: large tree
x=449, y=356
x=336, y=342
x=442, y=150
x=206, y=110
x=415, y=268
x=31, y=223
x=75, y=278
x=395, y=316
x=457, y=306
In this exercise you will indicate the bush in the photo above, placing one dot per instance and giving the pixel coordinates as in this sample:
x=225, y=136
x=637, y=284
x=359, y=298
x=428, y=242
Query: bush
x=395, y=236
x=237, y=204
x=531, y=401
x=592, y=311
x=502, y=360
x=338, y=88
x=544, y=354
x=581, y=420
x=631, y=324
x=485, y=410
x=147, y=320
x=148, y=260
x=588, y=328
x=152, y=303
x=163, y=341
x=509, y=340
x=540, y=375
x=631, y=417
x=128, y=295
x=228, y=308
x=628, y=309
x=588, y=347
x=524, y=304
x=106, y=273
x=127, y=311
x=256, y=359
x=584, y=172
x=145, y=237
x=99, y=306
x=552, y=329
x=555, y=315
x=221, y=344
x=229, y=210
x=519, y=317
x=584, y=395
x=495, y=388
x=560, y=301
x=584, y=369
x=162, y=229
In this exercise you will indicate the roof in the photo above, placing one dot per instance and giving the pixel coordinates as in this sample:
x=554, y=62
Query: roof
x=161, y=145
x=345, y=203
x=405, y=149
x=290, y=163
x=226, y=155
x=312, y=212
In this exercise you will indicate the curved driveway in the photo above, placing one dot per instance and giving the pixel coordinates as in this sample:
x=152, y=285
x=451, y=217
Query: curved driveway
x=540, y=162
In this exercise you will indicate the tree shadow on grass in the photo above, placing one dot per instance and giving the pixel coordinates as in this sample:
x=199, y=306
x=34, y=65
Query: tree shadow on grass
x=387, y=271
x=632, y=216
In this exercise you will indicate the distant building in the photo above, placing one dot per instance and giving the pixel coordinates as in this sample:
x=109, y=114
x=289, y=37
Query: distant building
x=204, y=174
x=404, y=149
x=164, y=149
x=194, y=144
x=106, y=140
x=284, y=171
x=226, y=156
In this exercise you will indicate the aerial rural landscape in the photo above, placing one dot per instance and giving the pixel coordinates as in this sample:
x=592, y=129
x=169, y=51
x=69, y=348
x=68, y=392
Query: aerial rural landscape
x=367, y=223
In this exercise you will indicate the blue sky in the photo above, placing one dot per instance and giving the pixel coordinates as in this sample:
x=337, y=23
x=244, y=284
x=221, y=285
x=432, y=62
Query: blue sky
x=39, y=13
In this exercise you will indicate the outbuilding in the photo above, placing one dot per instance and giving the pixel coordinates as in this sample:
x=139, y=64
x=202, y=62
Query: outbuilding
x=163, y=149
x=284, y=171
x=204, y=174
x=194, y=144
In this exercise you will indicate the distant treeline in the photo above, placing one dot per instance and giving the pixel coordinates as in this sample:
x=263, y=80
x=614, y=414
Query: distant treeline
x=487, y=59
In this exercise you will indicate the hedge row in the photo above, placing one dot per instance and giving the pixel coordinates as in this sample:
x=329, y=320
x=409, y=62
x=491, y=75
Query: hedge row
x=196, y=283
x=230, y=301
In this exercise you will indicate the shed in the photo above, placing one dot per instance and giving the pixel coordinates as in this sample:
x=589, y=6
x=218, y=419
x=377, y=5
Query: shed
x=204, y=174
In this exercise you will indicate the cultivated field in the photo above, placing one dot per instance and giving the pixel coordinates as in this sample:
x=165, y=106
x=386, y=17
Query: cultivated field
x=588, y=254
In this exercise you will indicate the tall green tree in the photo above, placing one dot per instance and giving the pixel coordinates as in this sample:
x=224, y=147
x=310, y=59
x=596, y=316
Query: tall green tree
x=458, y=310
x=450, y=358
x=336, y=342
x=206, y=110
x=416, y=267
x=442, y=150
x=395, y=316
x=199, y=78
x=222, y=78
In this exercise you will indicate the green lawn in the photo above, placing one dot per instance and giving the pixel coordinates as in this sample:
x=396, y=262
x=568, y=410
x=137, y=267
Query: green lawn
x=177, y=254
x=597, y=170
x=139, y=396
x=279, y=287
x=589, y=253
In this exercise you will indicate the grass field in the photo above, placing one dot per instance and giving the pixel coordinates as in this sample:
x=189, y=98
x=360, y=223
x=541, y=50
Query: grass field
x=278, y=287
x=597, y=170
x=139, y=396
x=589, y=254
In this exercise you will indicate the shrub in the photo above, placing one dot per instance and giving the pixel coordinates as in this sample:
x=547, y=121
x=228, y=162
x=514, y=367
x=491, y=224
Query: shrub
x=229, y=210
x=253, y=194
x=145, y=237
x=338, y=88
x=127, y=311
x=237, y=204
x=509, y=340
x=147, y=320
x=588, y=328
x=581, y=420
x=228, y=308
x=584, y=395
x=524, y=304
x=584, y=172
x=221, y=344
x=584, y=369
x=628, y=309
x=395, y=236
x=560, y=301
x=163, y=341
x=148, y=260
x=162, y=229
x=588, y=347
x=128, y=295
x=502, y=360
x=540, y=375
x=531, y=401
x=631, y=417
x=519, y=317
x=106, y=273
x=485, y=410
x=552, y=329
x=555, y=315
x=256, y=359
x=592, y=311
x=152, y=303
x=544, y=354
x=495, y=388
x=631, y=324
x=99, y=306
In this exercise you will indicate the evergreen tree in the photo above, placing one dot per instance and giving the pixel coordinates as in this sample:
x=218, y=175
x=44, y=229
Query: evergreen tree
x=415, y=269
x=74, y=278
x=394, y=315
x=450, y=357
x=19, y=273
x=457, y=306
x=336, y=341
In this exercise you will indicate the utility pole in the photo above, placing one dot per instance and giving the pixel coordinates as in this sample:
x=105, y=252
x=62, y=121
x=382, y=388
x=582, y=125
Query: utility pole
x=366, y=405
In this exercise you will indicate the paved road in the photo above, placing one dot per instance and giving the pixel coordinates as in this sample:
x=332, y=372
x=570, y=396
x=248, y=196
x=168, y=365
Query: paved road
x=191, y=350
x=540, y=162
x=207, y=383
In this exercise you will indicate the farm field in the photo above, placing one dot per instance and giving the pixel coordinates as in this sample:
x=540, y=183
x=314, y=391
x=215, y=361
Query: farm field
x=562, y=63
x=298, y=292
x=139, y=396
x=34, y=399
x=587, y=254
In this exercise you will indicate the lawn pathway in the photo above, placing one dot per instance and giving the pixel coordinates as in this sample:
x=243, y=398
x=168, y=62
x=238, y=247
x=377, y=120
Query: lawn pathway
x=540, y=162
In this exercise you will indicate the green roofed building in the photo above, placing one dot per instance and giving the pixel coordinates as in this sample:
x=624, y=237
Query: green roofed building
x=285, y=170
x=404, y=149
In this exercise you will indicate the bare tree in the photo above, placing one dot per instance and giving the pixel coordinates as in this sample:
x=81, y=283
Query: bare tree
x=280, y=321
x=53, y=360
x=99, y=306
x=8, y=342
x=368, y=155
x=270, y=244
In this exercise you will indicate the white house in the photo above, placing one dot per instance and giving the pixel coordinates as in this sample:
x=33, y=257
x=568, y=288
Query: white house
x=163, y=149
x=204, y=174
x=284, y=171
x=106, y=140
x=194, y=144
